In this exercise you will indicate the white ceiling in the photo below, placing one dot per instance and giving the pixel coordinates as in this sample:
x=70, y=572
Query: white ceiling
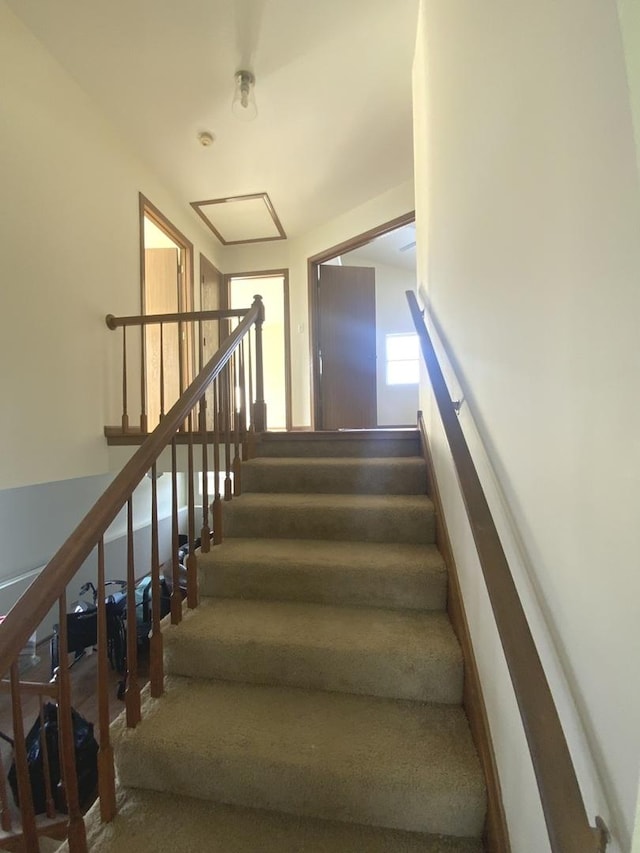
x=333, y=90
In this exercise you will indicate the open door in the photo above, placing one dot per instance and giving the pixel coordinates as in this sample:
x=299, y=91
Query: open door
x=346, y=322
x=161, y=297
x=167, y=288
x=212, y=298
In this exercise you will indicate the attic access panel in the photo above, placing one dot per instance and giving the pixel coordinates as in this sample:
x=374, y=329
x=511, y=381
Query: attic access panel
x=241, y=219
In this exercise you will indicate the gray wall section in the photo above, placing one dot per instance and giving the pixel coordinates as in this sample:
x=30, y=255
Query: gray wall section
x=36, y=520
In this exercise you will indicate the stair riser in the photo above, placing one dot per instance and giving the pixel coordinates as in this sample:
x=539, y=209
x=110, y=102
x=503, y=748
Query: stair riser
x=363, y=479
x=288, y=787
x=392, y=675
x=360, y=524
x=357, y=448
x=411, y=591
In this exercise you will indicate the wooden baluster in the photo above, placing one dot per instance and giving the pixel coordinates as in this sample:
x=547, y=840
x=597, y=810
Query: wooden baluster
x=181, y=362
x=259, y=407
x=132, y=692
x=161, y=370
x=251, y=437
x=237, y=486
x=176, y=597
x=30, y=835
x=50, y=807
x=125, y=413
x=106, y=773
x=216, y=507
x=205, y=533
x=5, y=808
x=156, y=667
x=143, y=383
x=251, y=400
x=77, y=837
x=226, y=414
x=243, y=401
x=192, y=562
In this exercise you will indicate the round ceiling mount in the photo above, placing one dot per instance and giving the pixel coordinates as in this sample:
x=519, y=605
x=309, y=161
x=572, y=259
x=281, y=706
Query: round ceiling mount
x=205, y=138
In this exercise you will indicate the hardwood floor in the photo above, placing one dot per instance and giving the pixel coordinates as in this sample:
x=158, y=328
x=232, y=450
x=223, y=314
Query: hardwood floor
x=83, y=685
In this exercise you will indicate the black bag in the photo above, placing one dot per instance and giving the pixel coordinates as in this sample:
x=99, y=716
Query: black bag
x=86, y=754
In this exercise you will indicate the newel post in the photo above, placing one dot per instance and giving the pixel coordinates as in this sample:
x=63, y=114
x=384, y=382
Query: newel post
x=259, y=406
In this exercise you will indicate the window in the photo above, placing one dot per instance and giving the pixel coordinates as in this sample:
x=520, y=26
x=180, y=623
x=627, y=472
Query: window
x=402, y=359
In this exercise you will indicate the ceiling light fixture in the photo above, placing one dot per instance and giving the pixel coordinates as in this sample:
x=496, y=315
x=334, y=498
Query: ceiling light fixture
x=244, y=99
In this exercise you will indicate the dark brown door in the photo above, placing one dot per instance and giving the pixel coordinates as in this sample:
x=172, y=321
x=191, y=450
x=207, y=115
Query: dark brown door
x=347, y=347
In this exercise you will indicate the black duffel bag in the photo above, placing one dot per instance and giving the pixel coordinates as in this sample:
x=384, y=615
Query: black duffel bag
x=86, y=754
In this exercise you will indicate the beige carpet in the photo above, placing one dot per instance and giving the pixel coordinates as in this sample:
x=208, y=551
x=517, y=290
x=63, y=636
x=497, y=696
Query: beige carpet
x=313, y=701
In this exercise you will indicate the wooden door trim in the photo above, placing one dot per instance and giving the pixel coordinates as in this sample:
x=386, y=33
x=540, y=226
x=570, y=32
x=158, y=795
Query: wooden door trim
x=185, y=287
x=287, y=328
x=146, y=207
x=313, y=263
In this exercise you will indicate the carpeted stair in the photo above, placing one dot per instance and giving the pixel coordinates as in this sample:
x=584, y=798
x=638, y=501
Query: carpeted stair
x=313, y=699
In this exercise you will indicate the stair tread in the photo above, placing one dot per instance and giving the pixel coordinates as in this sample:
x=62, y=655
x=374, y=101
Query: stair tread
x=345, y=475
x=337, y=461
x=358, y=443
x=338, y=501
x=393, y=763
x=392, y=518
x=395, y=557
x=393, y=653
x=382, y=574
x=155, y=822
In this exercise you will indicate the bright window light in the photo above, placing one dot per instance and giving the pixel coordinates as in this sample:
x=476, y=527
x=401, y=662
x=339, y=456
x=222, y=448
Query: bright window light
x=402, y=359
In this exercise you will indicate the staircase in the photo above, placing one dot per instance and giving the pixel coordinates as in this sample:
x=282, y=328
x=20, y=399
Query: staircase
x=313, y=700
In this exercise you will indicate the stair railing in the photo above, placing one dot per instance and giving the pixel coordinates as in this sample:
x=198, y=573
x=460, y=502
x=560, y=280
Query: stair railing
x=227, y=380
x=564, y=811
x=172, y=339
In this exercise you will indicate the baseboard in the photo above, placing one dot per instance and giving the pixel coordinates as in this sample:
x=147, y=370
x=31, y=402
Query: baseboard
x=496, y=835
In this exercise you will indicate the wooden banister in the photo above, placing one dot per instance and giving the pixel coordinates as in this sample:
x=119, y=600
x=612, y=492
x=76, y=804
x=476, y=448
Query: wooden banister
x=179, y=317
x=565, y=815
x=45, y=590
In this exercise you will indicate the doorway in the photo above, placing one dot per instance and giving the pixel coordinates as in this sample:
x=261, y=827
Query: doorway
x=273, y=286
x=166, y=267
x=213, y=297
x=350, y=387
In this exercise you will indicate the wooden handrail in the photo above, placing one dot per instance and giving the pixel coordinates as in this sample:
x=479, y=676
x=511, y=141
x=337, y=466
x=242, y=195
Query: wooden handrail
x=43, y=593
x=565, y=815
x=179, y=317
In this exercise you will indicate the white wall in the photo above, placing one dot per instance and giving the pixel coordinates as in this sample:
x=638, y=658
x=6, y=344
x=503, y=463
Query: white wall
x=528, y=216
x=396, y=404
x=69, y=244
x=293, y=254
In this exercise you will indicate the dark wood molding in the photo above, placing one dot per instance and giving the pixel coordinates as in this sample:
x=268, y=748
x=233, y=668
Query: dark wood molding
x=364, y=238
x=185, y=294
x=197, y=205
x=313, y=263
x=496, y=833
